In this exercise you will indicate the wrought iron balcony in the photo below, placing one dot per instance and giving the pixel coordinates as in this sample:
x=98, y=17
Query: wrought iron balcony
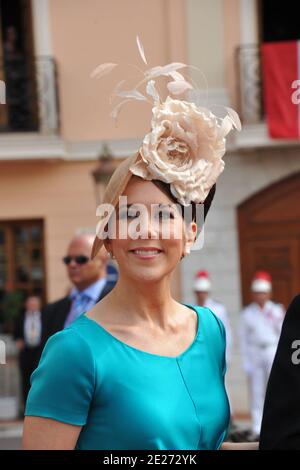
x=250, y=84
x=31, y=96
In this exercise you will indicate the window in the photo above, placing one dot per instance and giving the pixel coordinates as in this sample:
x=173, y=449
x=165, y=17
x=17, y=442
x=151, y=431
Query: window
x=18, y=67
x=22, y=267
x=280, y=20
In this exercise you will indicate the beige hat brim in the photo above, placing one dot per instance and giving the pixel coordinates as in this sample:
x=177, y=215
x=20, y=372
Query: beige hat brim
x=116, y=186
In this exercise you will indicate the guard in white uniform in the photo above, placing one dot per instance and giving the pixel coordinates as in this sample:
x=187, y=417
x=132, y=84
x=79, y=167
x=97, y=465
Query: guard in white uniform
x=260, y=327
x=202, y=289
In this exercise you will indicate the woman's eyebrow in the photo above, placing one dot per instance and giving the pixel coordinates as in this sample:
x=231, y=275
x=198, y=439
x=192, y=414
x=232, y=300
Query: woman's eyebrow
x=124, y=206
x=170, y=206
x=160, y=205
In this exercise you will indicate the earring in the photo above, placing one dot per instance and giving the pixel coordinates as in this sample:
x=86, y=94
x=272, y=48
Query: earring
x=186, y=252
x=111, y=255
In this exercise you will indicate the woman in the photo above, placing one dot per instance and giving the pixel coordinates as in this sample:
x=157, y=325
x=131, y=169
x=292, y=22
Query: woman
x=141, y=370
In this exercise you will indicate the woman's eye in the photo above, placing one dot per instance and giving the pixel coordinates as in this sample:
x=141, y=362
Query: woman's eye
x=128, y=215
x=163, y=215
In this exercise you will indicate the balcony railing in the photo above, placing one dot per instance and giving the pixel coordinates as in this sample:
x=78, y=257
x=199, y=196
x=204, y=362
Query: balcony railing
x=250, y=84
x=31, y=96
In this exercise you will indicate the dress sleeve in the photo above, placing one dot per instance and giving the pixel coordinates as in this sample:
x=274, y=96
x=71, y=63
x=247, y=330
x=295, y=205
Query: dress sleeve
x=219, y=345
x=223, y=345
x=228, y=332
x=63, y=384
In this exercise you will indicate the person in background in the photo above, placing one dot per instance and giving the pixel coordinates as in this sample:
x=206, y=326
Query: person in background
x=202, y=289
x=259, y=331
x=28, y=334
x=89, y=281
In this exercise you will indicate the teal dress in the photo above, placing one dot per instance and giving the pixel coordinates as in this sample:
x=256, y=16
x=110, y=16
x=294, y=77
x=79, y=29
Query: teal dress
x=125, y=398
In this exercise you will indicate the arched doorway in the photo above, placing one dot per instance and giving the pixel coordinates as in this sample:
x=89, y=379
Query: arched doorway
x=269, y=238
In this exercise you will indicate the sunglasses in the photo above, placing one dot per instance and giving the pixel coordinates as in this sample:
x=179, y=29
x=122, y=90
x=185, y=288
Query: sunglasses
x=80, y=259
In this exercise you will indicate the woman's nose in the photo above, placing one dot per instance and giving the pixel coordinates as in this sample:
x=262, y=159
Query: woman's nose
x=150, y=226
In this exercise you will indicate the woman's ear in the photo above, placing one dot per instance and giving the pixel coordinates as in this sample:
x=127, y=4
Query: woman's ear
x=190, y=237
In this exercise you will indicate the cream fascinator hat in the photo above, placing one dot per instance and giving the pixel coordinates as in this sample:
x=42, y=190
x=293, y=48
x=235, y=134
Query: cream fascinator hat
x=184, y=147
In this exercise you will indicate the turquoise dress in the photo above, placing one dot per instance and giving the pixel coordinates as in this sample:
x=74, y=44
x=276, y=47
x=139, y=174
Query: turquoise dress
x=125, y=398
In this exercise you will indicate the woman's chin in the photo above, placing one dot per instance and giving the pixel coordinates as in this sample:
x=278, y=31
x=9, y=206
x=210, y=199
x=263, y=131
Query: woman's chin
x=145, y=273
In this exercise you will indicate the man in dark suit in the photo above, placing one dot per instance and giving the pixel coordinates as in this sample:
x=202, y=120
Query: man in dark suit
x=281, y=417
x=90, y=285
x=28, y=336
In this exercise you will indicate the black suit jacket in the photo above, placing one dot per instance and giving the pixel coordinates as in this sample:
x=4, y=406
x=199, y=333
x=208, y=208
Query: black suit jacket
x=19, y=326
x=28, y=356
x=281, y=416
x=54, y=315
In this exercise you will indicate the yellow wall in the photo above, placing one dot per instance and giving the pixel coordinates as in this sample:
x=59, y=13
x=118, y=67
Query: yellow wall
x=213, y=35
x=232, y=33
x=87, y=33
x=205, y=40
x=59, y=193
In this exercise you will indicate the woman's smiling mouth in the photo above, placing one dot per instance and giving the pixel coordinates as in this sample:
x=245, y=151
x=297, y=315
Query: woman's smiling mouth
x=146, y=253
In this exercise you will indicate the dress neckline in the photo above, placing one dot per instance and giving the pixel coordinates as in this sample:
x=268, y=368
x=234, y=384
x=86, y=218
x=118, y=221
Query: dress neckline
x=141, y=351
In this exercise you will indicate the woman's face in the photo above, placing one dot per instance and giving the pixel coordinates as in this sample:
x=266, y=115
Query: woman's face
x=161, y=228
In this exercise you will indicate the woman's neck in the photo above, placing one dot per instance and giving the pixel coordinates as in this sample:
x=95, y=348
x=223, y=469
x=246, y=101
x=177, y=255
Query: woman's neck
x=151, y=301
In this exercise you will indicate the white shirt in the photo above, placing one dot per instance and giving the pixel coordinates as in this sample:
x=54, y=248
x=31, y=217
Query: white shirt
x=89, y=297
x=32, y=328
x=260, y=328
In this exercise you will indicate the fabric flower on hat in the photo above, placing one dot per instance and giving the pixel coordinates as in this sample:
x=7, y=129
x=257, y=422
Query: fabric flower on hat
x=186, y=143
x=184, y=148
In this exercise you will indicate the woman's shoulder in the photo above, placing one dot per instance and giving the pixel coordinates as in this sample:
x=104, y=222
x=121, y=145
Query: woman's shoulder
x=211, y=328
x=209, y=317
x=63, y=384
x=69, y=344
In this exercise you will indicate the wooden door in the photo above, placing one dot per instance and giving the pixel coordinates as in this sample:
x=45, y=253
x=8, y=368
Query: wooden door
x=269, y=238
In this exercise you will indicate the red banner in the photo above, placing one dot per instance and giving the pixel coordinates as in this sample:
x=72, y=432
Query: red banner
x=281, y=80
